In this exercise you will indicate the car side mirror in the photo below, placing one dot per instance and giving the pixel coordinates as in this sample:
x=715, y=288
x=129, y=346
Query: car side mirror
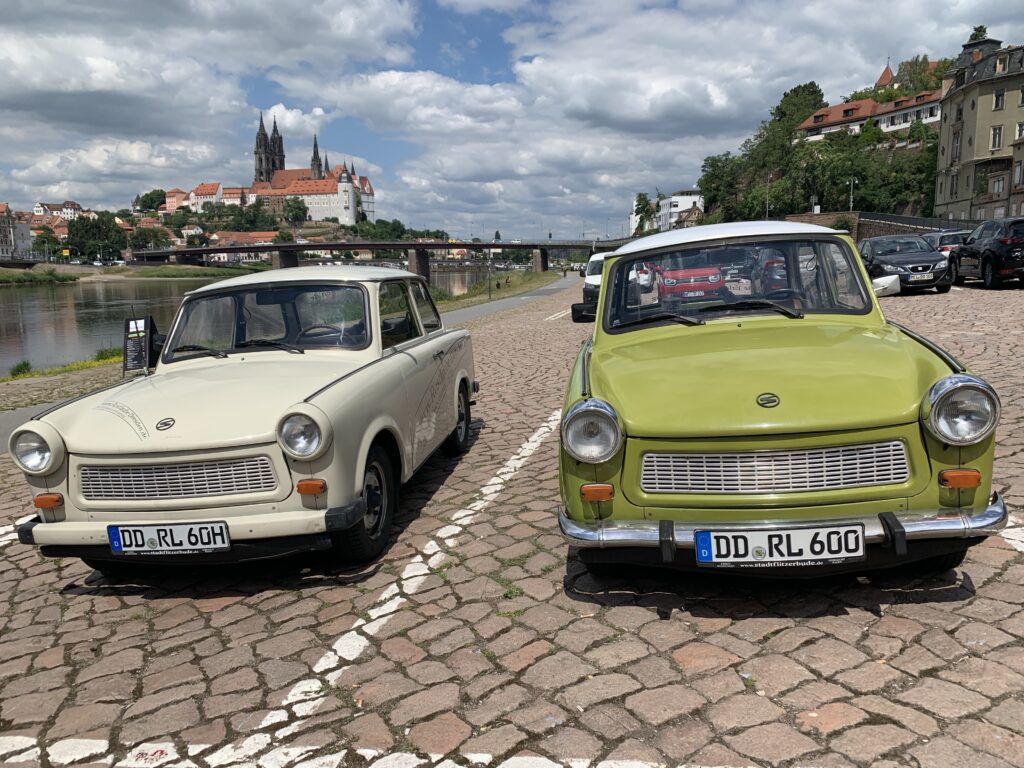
x=156, y=346
x=886, y=286
x=969, y=241
x=584, y=312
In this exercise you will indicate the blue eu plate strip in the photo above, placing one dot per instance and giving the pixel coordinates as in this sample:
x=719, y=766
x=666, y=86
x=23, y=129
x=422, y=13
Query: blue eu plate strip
x=703, y=541
x=114, y=534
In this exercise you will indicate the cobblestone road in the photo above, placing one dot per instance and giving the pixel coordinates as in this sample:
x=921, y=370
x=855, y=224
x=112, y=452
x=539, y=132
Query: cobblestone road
x=476, y=642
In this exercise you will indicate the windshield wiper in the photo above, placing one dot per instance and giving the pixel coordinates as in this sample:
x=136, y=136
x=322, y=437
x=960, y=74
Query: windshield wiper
x=753, y=304
x=270, y=343
x=199, y=348
x=663, y=316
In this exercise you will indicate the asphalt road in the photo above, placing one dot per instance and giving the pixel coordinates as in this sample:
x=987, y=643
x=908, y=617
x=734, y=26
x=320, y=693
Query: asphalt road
x=10, y=420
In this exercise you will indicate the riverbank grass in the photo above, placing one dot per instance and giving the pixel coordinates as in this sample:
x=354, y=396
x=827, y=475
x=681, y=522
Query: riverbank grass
x=178, y=270
x=519, y=281
x=28, y=277
x=105, y=356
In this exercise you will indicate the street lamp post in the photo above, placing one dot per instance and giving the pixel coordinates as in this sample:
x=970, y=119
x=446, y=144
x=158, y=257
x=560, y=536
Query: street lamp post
x=852, y=182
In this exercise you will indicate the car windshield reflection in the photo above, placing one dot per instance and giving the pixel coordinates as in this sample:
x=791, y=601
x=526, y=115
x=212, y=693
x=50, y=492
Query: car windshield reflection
x=791, y=278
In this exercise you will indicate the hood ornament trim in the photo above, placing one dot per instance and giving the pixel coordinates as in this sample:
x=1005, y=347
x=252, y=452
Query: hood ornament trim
x=765, y=400
x=165, y=424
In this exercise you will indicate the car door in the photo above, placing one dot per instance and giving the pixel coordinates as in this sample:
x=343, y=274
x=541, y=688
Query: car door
x=967, y=254
x=402, y=337
x=435, y=409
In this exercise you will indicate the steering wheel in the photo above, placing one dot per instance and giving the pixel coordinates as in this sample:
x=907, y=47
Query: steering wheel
x=331, y=330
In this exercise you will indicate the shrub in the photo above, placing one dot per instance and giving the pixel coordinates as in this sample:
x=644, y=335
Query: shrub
x=24, y=368
x=844, y=222
x=107, y=353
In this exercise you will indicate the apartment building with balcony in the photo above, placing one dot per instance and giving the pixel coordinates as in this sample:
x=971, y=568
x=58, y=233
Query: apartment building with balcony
x=981, y=134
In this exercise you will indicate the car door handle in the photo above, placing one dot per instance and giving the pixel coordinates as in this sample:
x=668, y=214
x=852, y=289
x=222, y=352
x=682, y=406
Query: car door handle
x=439, y=354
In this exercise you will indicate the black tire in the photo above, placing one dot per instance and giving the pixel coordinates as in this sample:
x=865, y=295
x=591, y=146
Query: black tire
x=943, y=288
x=989, y=278
x=458, y=441
x=954, y=268
x=943, y=563
x=365, y=540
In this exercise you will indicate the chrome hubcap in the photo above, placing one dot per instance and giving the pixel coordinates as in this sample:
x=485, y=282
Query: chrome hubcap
x=376, y=494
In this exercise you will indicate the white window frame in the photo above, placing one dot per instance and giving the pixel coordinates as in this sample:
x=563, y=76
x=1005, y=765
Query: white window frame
x=996, y=138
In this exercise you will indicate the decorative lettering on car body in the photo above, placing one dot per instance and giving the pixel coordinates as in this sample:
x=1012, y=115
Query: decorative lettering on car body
x=127, y=415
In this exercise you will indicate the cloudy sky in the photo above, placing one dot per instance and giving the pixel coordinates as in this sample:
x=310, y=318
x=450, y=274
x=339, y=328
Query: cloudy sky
x=468, y=115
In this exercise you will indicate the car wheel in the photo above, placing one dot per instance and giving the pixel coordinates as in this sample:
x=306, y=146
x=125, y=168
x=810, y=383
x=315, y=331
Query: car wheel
x=954, y=268
x=989, y=278
x=942, y=288
x=458, y=441
x=366, y=539
x=943, y=563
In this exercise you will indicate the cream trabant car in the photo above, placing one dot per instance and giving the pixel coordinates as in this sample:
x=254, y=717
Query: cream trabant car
x=284, y=411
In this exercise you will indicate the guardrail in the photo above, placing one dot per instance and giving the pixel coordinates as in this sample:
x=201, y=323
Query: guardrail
x=919, y=221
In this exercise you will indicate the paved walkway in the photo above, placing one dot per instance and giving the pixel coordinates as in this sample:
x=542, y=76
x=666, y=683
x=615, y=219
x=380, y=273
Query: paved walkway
x=478, y=641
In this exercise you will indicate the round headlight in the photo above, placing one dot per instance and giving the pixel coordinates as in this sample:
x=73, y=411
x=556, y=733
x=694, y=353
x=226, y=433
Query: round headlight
x=591, y=431
x=714, y=278
x=961, y=410
x=32, y=452
x=300, y=436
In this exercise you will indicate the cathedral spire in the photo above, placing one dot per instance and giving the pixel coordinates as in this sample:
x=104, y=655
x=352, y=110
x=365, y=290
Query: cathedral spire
x=316, y=168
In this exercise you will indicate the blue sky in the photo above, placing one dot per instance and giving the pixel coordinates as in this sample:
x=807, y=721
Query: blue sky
x=468, y=115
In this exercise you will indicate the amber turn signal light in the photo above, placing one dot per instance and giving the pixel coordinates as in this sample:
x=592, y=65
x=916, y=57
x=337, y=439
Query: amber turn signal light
x=597, y=492
x=311, y=487
x=48, y=500
x=960, y=478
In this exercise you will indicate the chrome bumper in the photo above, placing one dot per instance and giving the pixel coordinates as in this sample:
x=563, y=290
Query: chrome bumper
x=916, y=525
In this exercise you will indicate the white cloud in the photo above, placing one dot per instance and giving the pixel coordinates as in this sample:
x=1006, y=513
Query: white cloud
x=477, y=6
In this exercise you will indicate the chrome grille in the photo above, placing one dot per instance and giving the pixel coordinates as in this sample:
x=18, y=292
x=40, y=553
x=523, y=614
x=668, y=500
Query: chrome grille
x=227, y=477
x=820, y=469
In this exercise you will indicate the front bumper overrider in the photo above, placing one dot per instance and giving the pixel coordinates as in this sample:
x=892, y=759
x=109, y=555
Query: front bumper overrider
x=887, y=528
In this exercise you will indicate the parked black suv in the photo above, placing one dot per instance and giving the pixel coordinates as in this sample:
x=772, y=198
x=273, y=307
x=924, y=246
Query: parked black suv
x=994, y=252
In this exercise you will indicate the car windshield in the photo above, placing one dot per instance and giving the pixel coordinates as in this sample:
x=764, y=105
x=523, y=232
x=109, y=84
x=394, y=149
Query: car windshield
x=900, y=245
x=787, y=277
x=268, y=317
x=594, y=267
x=1016, y=229
x=951, y=239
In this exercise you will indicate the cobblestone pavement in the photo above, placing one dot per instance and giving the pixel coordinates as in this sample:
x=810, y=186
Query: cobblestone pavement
x=477, y=642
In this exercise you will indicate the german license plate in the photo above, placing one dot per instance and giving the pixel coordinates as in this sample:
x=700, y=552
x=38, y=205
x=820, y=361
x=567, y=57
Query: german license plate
x=922, y=276
x=172, y=538
x=693, y=293
x=774, y=548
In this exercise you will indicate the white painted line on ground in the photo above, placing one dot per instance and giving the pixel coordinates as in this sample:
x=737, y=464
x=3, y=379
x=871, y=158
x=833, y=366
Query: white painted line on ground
x=557, y=315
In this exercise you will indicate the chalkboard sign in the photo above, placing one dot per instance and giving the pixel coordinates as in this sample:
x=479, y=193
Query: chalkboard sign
x=138, y=335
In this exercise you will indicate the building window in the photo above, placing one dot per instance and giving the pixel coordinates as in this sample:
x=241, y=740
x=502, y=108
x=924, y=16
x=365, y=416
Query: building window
x=1020, y=99
x=1020, y=130
x=906, y=117
x=819, y=118
x=954, y=185
x=998, y=213
x=1017, y=173
x=959, y=112
x=997, y=137
x=847, y=113
x=892, y=119
x=933, y=111
x=980, y=214
x=999, y=98
x=955, y=157
x=998, y=185
x=919, y=99
x=1000, y=64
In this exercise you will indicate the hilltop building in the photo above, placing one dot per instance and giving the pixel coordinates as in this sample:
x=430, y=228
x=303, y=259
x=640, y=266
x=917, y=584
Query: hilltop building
x=269, y=152
x=981, y=139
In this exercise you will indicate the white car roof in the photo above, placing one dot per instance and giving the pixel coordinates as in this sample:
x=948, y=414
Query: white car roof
x=700, y=234
x=332, y=273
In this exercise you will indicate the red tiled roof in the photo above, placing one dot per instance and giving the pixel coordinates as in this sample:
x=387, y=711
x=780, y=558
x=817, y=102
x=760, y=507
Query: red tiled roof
x=175, y=191
x=906, y=102
x=284, y=177
x=885, y=78
x=862, y=108
x=4, y=208
x=365, y=185
x=244, y=238
x=208, y=188
x=259, y=185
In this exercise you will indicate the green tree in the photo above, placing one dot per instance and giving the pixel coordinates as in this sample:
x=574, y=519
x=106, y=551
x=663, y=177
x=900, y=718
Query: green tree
x=644, y=210
x=295, y=211
x=979, y=33
x=284, y=236
x=149, y=237
x=46, y=242
x=497, y=236
x=99, y=237
x=152, y=200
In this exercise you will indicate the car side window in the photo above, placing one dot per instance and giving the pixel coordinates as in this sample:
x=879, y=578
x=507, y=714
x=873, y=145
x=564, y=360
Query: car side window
x=428, y=312
x=976, y=234
x=397, y=323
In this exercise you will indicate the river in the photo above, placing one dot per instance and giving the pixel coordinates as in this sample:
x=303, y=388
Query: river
x=59, y=323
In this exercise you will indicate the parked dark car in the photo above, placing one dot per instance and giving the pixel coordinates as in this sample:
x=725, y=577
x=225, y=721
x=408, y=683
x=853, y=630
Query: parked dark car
x=909, y=256
x=768, y=272
x=946, y=241
x=994, y=252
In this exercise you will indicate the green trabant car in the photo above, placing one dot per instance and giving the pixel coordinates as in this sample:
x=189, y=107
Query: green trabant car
x=756, y=411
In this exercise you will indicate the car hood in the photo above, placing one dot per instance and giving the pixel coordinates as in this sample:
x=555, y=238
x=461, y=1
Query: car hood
x=705, y=381
x=213, y=403
x=904, y=259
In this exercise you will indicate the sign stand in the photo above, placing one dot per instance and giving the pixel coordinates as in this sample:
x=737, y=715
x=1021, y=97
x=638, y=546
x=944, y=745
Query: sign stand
x=138, y=340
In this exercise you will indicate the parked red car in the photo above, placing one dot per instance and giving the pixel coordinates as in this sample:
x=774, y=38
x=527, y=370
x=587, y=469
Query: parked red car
x=693, y=283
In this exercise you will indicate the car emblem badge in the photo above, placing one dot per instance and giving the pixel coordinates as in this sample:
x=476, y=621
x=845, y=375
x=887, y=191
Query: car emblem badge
x=164, y=424
x=765, y=400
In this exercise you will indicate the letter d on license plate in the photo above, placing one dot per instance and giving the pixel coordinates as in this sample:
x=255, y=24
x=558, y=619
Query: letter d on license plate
x=783, y=546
